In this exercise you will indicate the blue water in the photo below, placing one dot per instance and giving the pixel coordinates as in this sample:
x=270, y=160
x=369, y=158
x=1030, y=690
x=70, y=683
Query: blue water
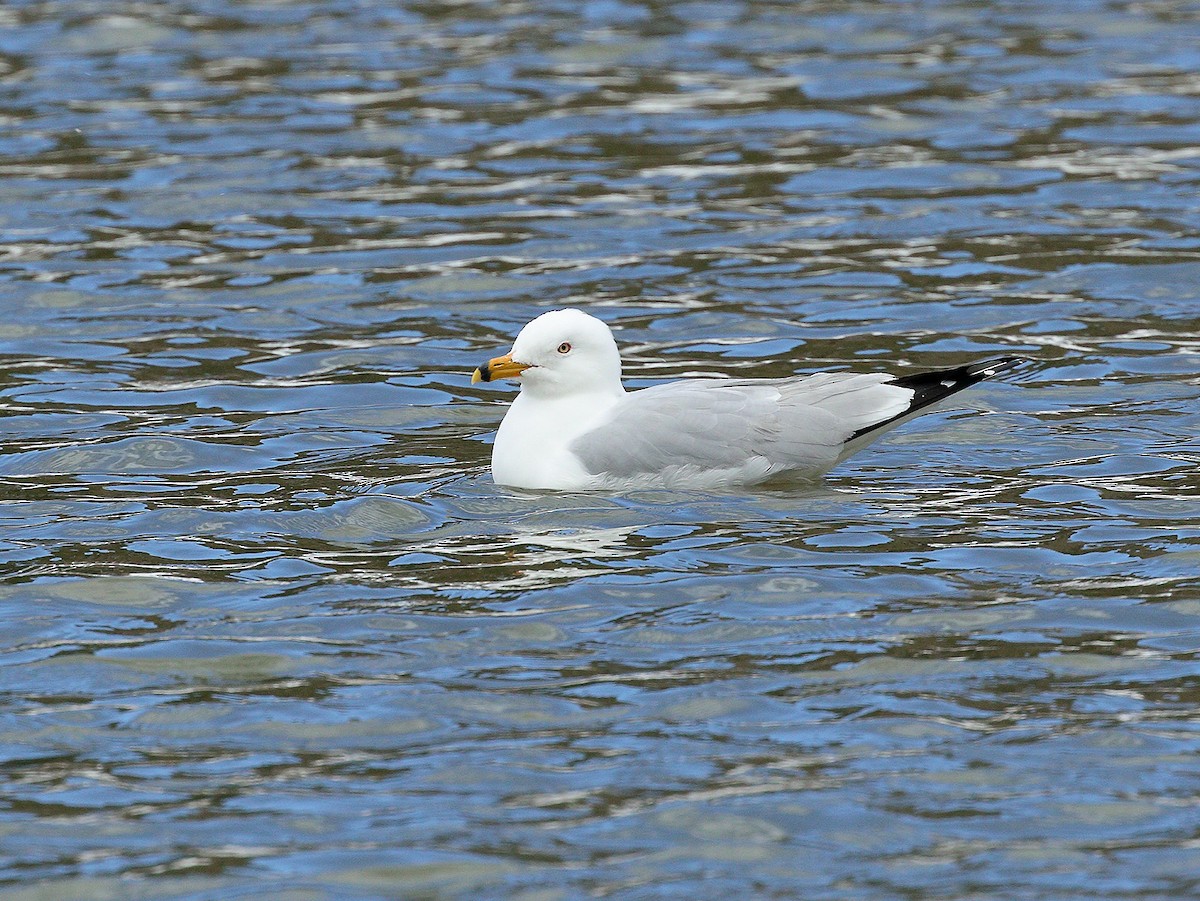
x=270, y=630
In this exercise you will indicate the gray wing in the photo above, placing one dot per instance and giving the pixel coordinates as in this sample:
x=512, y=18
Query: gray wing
x=739, y=430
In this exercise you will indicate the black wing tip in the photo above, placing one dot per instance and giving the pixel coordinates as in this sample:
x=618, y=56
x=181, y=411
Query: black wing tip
x=949, y=381
x=930, y=387
x=985, y=369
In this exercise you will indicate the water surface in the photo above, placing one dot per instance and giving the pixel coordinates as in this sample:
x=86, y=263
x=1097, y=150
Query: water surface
x=267, y=622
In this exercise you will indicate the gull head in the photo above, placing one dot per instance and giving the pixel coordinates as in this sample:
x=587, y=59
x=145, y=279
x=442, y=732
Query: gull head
x=560, y=353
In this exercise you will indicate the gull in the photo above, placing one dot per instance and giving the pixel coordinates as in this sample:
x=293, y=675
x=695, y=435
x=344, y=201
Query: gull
x=574, y=427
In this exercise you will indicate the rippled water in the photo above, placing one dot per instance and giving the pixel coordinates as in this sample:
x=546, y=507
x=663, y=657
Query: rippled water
x=269, y=625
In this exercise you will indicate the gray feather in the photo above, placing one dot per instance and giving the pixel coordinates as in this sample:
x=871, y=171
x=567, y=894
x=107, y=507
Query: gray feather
x=743, y=427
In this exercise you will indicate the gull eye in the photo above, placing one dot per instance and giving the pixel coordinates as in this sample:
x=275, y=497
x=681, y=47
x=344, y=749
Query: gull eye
x=565, y=347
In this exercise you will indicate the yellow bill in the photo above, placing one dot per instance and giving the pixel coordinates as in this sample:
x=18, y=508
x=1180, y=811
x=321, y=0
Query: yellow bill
x=504, y=367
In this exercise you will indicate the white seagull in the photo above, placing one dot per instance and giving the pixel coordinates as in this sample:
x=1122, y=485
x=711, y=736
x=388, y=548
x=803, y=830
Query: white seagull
x=574, y=427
